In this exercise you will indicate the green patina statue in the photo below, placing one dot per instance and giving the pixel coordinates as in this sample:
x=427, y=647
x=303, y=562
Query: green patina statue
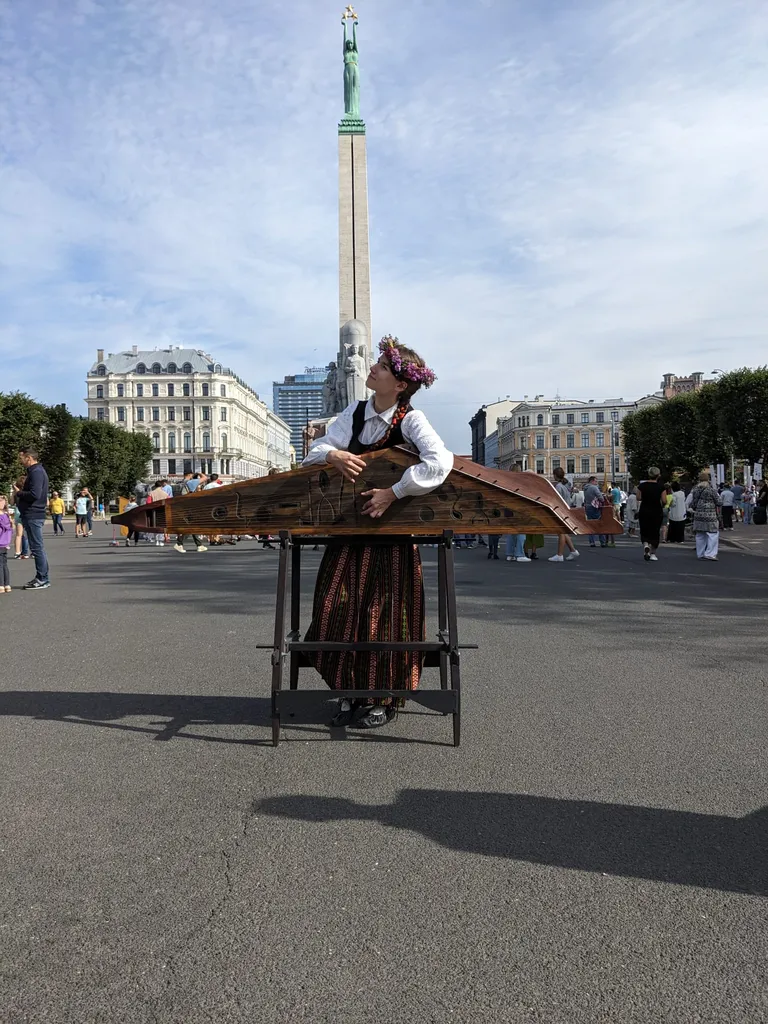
x=351, y=72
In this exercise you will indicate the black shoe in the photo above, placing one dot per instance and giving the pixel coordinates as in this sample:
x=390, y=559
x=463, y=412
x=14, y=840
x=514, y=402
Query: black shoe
x=37, y=585
x=17, y=556
x=345, y=713
x=373, y=717
x=496, y=557
x=490, y=555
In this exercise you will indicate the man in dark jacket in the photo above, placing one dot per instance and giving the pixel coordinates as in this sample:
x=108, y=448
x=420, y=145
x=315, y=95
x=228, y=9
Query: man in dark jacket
x=32, y=501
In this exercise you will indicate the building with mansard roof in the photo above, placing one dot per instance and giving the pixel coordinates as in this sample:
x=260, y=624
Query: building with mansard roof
x=199, y=414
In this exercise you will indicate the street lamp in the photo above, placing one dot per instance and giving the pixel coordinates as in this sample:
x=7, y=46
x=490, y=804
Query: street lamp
x=614, y=437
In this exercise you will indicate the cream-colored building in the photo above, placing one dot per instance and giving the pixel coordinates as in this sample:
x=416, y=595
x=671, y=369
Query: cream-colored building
x=199, y=414
x=579, y=437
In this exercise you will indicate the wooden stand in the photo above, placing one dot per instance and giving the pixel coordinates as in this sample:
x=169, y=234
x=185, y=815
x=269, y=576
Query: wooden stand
x=442, y=654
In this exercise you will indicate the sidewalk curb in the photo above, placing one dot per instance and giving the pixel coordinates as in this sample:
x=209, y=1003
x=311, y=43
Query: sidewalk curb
x=732, y=542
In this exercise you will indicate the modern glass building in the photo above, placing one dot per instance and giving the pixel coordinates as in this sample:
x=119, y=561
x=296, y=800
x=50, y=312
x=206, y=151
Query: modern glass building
x=299, y=398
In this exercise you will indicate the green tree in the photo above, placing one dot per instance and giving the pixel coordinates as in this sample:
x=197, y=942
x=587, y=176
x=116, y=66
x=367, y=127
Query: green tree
x=714, y=441
x=21, y=421
x=138, y=454
x=680, y=429
x=60, y=432
x=741, y=403
x=103, y=458
x=645, y=442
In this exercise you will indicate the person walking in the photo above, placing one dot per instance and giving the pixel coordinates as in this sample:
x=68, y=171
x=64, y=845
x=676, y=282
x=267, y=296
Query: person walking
x=493, y=546
x=652, y=495
x=132, y=534
x=56, y=507
x=82, y=502
x=748, y=503
x=89, y=510
x=20, y=542
x=630, y=517
x=563, y=540
x=189, y=485
x=32, y=500
x=515, y=548
x=158, y=493
x=615, y=496
x=593, y=504
x=728, y=503
x=677, y=515
x=6, y=536
x=705, y=502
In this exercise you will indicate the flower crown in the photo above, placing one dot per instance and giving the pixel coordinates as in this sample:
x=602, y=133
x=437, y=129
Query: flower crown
x=405, y=370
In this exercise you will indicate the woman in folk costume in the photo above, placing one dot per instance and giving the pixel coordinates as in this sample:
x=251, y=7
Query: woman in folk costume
x=375, y=593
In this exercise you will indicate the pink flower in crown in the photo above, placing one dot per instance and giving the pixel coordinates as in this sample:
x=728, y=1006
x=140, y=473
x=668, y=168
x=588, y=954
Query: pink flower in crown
x=405, y=370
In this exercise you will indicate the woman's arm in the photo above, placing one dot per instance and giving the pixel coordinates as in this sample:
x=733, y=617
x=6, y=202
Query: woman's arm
x=436, y=462
x=336, y=439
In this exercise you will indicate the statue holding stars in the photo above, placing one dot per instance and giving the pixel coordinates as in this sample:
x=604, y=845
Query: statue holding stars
x=351, y=69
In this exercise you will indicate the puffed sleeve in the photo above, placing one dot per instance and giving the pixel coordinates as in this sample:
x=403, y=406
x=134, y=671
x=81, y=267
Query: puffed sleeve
x=436, y=462
x=337, y=438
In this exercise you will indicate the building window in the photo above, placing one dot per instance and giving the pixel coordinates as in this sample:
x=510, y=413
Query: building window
x=570, y=465
x=223, y=390
x=156, y=442
x=223, y=415
x=101, y=371
x=600, y=464
x=206, y=442
x=617, y=464
x=121, y=414
x=187, y=466
x=569, y=417
x=523, y=441
x=205, y=412
x=600, y=439
x=99, y=390
x=121, y=391
x=186, y=413
x=555, y=464
x=139, y=390
x=171, y=391
x=155, y=413
x=556, y=419
x=585, y=417
x=539, y=440
x=227, y=464
x=141, y=368
x=221, y=465
x=171, y=410
x=539, y=465
x=585, y=439
x=223, y=442
x=172, y=467
x=157, y=368
x=187, y=442
x=206, y=390
x=540, y=420
x=555, y=440
x=171, y=368
x=185, y=390
x=100, y=414
x=172, y=442
x=139, y=415
x=155, y=391
x=585, y=464
x=186, y=368
x=570, y=440
x=156, y=467
x=600, y=417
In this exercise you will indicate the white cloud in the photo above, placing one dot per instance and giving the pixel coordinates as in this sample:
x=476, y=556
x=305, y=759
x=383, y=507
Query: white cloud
x=567, y=199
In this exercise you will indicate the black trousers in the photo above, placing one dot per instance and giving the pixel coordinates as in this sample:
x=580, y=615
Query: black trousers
x=5, y=575
x=727, y=517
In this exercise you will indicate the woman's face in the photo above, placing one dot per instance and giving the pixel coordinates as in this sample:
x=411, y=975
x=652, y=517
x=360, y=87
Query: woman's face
x=381, y=379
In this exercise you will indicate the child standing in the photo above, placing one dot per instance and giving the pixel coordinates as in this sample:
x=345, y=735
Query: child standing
x=6, y=536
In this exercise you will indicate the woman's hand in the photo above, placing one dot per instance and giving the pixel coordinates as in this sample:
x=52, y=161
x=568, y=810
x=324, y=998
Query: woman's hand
x=350, y=466
x=380, y=500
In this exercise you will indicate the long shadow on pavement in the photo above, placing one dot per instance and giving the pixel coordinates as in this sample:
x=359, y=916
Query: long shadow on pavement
x=677, y=847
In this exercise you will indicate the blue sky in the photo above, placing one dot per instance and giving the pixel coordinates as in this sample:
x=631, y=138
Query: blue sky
x=564, y=197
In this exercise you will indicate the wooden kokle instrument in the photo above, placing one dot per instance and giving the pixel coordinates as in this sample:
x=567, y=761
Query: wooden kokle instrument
x=318, y=501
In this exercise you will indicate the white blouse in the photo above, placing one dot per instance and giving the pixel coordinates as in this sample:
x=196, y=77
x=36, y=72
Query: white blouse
x=436, y=461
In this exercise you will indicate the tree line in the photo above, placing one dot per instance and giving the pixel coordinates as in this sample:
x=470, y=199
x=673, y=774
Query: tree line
x=726, y=419
x=97, y=455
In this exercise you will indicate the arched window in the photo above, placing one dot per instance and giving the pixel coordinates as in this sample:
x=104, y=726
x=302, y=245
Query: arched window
x=157, y=368
x=206, y=442
x=223, y=443
x=540, y=420
x=99, y=390
x=187, y=442
x=101, y=370
x=141, y=368
x=170, y=368
x=156, y=441
x=172, y=441
x=217, y=368
x=186, y=368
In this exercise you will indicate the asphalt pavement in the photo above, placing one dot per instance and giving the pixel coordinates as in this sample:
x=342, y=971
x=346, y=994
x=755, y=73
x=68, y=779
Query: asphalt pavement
x=595, y=851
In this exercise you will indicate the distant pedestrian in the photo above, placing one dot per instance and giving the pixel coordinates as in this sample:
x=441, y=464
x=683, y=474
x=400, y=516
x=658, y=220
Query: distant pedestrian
x=563, y=540
x=56, y=506
x=132, y=534
x=82, y=504
x=748, y=503
x=578, y=498
x=90, y=509
x=705, y=502
x=32, y=500
x=593, y=504
x=6, y=536
x=515, y=547
x=677, y=515
x=728, y=503
x=158, y=493
x=190, y=484
x=630, y=516
x=493, y=546
x=20, y=542
x=651, y=494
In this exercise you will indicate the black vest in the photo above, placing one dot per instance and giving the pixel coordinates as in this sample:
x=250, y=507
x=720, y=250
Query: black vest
x=357, y=447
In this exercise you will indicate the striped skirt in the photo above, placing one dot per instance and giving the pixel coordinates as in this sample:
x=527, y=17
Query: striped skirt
x=371, y=593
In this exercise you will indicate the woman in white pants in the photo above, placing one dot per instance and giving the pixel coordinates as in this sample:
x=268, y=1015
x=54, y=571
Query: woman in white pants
x=705, y=501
